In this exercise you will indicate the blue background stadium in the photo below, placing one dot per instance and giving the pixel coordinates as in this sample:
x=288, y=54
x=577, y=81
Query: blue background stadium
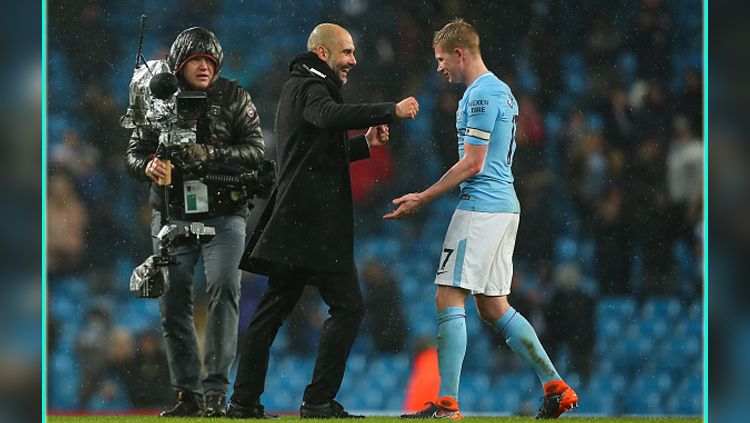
x=610, y=240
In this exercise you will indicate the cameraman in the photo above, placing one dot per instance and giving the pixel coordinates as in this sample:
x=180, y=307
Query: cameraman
x=228, y=134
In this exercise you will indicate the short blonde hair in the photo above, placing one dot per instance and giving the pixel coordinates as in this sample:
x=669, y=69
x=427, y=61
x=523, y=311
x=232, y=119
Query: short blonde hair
x=457, y=34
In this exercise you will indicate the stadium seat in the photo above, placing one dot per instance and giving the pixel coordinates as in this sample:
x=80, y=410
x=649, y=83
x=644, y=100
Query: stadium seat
x=64, y=382
x=654, y=330
x=506, y=401
x=667, y=309
x=695, y=311
x=621, y=307
x=602, y=402
x=356, y=364
x=643, y=402
x=608, y=328
x=606, y=382
x=687, y=397
x=671, y=356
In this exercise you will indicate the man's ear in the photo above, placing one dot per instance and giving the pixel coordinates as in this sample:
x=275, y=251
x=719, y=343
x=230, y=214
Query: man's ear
x=322, y=52
x=459, y=53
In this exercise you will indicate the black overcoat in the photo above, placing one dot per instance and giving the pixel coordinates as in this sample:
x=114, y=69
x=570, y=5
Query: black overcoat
x=309, y=222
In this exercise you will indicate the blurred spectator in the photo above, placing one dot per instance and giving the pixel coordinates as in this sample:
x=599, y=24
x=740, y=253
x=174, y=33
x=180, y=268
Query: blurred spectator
x=618, y=120
x=562, y=328
x=684, y=164
x=74, y=156
x=109, y=396
x=83, y=24
x=613, y=244
x=652, y=40
x=533, y=182
x=149, y=376
x=602, y=47
x=384, y=321
x=652, y=223
x=102, y=110
x=652, y=117
x=424, y=379
x=534, y=187
x=370, y=176
x=67, y=222
x=574, y=130
x=691, y=102
x=530, y=126
x=92, y=349
x=444, y=127
x=113, y=381
x=588, y=173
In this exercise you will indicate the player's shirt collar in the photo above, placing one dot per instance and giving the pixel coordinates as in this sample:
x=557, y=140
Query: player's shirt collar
x=480, y=77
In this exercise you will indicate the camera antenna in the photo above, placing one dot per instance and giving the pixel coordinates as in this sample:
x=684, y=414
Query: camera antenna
x=139, y=54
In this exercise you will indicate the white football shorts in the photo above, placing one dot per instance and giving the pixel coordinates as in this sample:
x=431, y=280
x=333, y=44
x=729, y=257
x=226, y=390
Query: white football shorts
x=478, y=252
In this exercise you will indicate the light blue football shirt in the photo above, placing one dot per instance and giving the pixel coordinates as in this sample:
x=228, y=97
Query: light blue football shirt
x=487, y=115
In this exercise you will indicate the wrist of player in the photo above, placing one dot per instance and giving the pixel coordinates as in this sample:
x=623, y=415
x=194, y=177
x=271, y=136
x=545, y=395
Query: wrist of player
x=423, y=197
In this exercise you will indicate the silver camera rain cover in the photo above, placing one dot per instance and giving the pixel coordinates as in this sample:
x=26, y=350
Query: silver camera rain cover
x=140, y=97
x=143, y=278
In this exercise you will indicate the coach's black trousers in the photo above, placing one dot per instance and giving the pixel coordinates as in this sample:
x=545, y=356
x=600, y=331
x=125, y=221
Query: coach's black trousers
x=341, y=293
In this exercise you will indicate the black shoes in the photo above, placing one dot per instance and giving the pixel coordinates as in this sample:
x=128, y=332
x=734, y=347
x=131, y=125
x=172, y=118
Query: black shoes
x=329, y=410
x=236, y=411
x=443, y=408
x=558, y=398
x=188, y=405
x=214, y=405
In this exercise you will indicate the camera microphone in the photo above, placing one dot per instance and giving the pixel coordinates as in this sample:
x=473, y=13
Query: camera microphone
x=163, y=85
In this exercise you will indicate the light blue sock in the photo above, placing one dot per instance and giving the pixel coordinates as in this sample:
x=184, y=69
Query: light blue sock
x=521, y=338
x=451, y=345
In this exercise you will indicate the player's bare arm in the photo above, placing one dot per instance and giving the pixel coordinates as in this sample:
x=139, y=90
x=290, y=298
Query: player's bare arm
x=470, y=165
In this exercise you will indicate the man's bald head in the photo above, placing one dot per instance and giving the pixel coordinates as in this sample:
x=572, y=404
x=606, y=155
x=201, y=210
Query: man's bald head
x=335, y=46
x=327, y=35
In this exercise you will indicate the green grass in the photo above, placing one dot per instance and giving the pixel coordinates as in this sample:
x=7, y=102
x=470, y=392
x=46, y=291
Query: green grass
x=154, y=419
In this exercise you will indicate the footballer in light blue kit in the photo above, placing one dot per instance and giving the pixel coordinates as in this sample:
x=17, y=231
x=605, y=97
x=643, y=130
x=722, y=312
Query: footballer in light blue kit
x=486, y=116
x=478, y=248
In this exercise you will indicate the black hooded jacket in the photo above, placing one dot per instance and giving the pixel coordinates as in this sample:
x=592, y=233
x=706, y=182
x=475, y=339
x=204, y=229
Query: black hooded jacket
x=232, y=124
x=310, y=224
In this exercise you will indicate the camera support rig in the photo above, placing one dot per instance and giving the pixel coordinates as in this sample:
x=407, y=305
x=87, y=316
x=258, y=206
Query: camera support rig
x=155, y=104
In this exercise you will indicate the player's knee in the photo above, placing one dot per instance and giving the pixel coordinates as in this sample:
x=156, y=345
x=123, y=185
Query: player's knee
x=449, y=297
x=489, y=315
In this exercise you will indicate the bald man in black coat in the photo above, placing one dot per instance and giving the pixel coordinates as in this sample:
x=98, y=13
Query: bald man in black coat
x=306, y=233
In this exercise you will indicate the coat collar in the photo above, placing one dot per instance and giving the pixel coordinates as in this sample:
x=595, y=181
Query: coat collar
x=308, y=65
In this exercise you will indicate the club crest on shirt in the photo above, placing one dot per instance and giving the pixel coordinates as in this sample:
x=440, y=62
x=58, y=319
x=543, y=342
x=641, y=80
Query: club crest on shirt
x=250, y=112
x=510, y=102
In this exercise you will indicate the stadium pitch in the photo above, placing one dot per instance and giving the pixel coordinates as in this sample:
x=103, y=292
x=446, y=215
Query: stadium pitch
x=289, y=419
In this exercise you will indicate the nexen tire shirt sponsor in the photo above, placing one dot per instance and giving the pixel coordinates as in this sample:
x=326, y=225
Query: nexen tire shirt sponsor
x=487, y=115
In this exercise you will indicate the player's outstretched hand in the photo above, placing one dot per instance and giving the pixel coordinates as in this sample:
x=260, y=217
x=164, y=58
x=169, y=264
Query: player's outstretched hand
x=407, y=108
x=407, y=204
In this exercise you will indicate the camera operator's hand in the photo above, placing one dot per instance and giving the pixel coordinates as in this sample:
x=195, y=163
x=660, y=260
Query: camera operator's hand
x=194, y=153
x=157, y=170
